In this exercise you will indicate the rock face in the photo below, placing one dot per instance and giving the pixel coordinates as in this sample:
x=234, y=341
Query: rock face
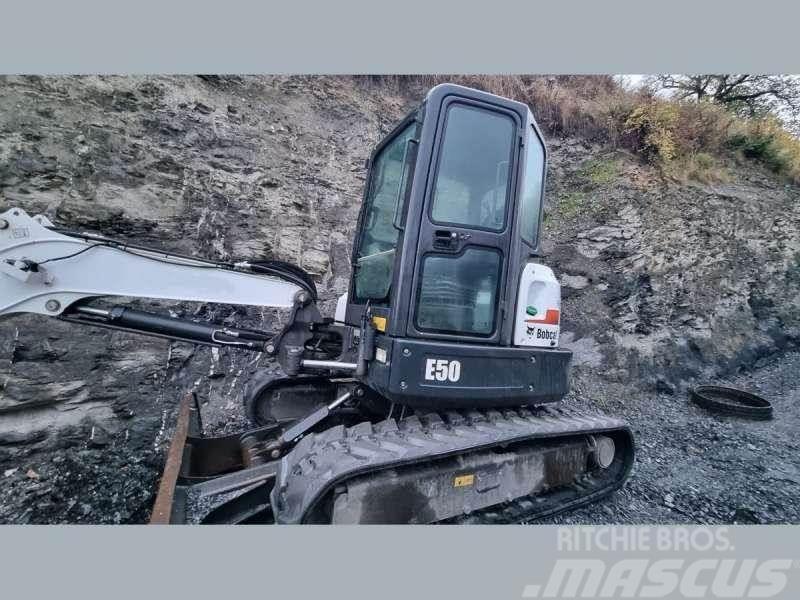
x=218, y=167
x=663, y=283
x=674, y=282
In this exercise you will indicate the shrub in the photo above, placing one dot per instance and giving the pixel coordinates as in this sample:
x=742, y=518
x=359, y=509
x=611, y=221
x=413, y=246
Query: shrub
x=767, y=141
x=704, y=160
x=584, y=105
x=685, y=138
x=702, y=127
x=654, y=125
x=698, y=167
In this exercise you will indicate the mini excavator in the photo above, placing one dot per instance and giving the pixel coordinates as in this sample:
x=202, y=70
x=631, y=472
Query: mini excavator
x=432, y=394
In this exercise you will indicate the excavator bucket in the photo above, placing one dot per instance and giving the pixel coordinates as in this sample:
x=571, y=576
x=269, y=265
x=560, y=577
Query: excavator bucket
x=213, y=479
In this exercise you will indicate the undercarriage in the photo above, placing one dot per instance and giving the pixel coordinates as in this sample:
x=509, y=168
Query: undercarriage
x=491, y=466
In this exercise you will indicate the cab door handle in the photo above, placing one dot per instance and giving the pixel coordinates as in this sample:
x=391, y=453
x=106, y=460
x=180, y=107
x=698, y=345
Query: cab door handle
x=448, y=240
x=444, y=240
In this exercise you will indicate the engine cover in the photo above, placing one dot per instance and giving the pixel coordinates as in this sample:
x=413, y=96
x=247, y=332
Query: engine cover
x=442, y=375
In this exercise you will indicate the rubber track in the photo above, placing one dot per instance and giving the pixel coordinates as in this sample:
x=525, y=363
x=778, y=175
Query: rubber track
x=321, y=461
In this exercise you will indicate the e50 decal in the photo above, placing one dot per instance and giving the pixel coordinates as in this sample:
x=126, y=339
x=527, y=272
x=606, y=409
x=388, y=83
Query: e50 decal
x=439, y=369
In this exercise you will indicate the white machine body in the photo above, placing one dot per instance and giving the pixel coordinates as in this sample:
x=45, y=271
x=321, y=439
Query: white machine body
x=538, y=317
x=341, y=308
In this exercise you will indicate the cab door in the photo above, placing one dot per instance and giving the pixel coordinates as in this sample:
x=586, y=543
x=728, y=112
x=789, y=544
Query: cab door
x=464, y=239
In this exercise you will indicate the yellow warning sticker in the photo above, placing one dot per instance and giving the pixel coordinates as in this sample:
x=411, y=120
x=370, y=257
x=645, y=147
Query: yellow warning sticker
x=463, y=480
x=379, y=323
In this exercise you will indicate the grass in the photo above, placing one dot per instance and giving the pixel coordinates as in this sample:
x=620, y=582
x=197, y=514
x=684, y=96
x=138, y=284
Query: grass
x=600, y=171
x=572, y=204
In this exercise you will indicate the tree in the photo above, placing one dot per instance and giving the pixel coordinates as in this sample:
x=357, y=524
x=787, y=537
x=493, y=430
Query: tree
x=747, y=95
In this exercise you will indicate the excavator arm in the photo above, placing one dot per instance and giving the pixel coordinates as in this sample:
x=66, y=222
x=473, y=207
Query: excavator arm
x=54, y=273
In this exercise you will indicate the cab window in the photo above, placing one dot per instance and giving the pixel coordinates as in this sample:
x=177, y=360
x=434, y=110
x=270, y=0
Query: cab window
x=531, y=199
x=472, y=181
x=379, y=237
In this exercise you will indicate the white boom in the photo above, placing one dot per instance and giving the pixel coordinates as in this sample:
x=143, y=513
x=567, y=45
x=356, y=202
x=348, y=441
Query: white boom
x=43, y=271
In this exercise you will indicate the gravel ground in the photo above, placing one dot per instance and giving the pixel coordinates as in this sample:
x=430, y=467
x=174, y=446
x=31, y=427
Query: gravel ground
x=693, y=466
x=81, y=484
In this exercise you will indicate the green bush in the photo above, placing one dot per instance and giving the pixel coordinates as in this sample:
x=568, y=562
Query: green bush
x=654, y=127
x=767, y=141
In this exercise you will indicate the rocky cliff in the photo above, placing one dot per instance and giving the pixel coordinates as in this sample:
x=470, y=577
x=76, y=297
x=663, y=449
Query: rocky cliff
x=663, y=282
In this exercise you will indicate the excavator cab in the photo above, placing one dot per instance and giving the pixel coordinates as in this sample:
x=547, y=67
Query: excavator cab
x=449, y=222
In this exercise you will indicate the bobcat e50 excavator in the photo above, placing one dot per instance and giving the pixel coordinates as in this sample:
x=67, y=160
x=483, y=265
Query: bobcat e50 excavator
x=428, y=398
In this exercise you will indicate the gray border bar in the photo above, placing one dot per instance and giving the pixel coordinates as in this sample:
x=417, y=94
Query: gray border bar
x=414, y=36
x=375, y=562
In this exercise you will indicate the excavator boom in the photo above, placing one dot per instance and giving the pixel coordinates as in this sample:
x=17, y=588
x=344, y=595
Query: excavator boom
x=46, y=272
